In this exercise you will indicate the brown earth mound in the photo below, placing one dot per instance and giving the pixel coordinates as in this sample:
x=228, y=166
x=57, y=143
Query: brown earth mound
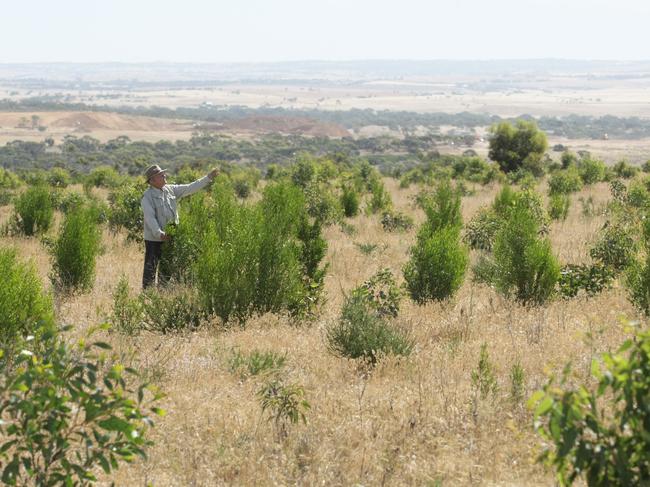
x=285, y=125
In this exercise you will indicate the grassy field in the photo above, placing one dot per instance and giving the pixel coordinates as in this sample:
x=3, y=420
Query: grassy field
x=408, y=421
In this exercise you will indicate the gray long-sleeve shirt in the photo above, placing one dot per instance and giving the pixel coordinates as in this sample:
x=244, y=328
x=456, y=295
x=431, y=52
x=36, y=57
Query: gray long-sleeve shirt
x=160, y=207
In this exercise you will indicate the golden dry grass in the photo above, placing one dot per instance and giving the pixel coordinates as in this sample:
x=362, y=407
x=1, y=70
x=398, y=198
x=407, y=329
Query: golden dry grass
x=410, y=421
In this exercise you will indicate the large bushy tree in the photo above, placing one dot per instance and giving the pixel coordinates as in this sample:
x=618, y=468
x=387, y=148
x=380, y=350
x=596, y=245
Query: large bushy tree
x=521, y=145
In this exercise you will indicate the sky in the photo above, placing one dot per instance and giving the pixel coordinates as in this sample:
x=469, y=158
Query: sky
x=336, y=30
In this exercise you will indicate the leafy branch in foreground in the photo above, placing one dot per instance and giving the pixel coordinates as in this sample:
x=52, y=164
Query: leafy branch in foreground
x=600, y=434
x=66, y=410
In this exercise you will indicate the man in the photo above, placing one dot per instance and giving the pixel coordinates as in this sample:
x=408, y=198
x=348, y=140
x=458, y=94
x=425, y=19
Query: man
x=160, y=208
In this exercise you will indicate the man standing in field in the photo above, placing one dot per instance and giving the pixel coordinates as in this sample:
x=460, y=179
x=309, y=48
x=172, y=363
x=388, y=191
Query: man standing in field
x=160, y=208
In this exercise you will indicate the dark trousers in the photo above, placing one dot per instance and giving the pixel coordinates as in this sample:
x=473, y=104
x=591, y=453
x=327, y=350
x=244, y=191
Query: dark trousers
x=152, y=256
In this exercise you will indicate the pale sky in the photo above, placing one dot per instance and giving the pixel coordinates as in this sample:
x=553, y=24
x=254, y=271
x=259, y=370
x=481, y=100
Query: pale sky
x=290, y=30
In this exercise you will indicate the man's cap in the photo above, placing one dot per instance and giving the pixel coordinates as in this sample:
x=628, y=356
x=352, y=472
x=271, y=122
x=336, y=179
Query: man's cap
x=153, y=171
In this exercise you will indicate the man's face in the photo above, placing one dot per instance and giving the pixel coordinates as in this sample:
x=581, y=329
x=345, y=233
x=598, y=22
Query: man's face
x=159, y=180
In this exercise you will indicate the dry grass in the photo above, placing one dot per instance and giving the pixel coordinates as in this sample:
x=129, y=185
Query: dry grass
x=412, y=421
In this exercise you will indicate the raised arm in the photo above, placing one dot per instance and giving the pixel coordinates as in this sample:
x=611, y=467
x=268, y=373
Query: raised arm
x=182, y=190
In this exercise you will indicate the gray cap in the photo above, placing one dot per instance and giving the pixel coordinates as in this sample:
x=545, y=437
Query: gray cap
x=153, y=171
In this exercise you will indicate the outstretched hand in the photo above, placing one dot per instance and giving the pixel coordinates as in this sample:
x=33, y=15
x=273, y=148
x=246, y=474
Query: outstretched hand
x=213, y=174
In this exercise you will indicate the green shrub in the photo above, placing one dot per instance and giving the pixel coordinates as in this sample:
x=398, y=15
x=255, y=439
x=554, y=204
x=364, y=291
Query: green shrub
x=592, y=279
x=67, y=411
x=349, y=201
x=564, y=182
x=592, y=171
x=525, y=267
x=59, y=177
x=362, y=333
x=8, y=179
x=6, y=197
x=638, y=195
x=482, y=228
x=260, y=258
x=442, y=207
x=76, y=250
x=599, y=432
x=125, y=210
x=624, y=170
x=34, y=212
x=284, y=404
x=23, y=304
x=256, y=362
x=615, y=247
x=558, y=207
x=104, y=177
x=437, y=266
x=379, y=198
x=171, y=309
x=366, y=248
x=484, y=380
x=381, y=293
x=637, y=282
x=128, y=313
x=396, y=222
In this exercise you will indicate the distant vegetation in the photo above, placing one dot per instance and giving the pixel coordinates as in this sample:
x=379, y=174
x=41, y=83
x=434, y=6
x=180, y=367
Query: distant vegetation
x=570, y=126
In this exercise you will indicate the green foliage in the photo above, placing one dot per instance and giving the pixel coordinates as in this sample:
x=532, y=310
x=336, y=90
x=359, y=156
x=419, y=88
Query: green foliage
x=442, y=207
x=524, y=265
x=624, y=170
x=34, y=213
x=437, y=266
x=349, y=201
x=260, y=258
x=517, y=383
x=558, y=206
x=381, y=293
x=125, y=210
x=592, y=170
x=638, y=195
x=58, y=177
x=171, y=309
x=514, y=147
x=600, y=434
x=615, y=247
x=174, y=308
x=363, y=333
x=637, y=282
x=484, y=380
x=393, y=221
x=23, y=305
x=8, y=179
x=284, y=404
x=592, y=279
x=104, y=177
x=256, y=362
x=128, y=313
x=379, y=198
x=564, y=182
x=366, y=248
x=482, y=228
x=75, y=250
x=68, y=411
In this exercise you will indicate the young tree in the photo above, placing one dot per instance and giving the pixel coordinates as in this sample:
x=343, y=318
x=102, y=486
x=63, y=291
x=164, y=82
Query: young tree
x=513, y=147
